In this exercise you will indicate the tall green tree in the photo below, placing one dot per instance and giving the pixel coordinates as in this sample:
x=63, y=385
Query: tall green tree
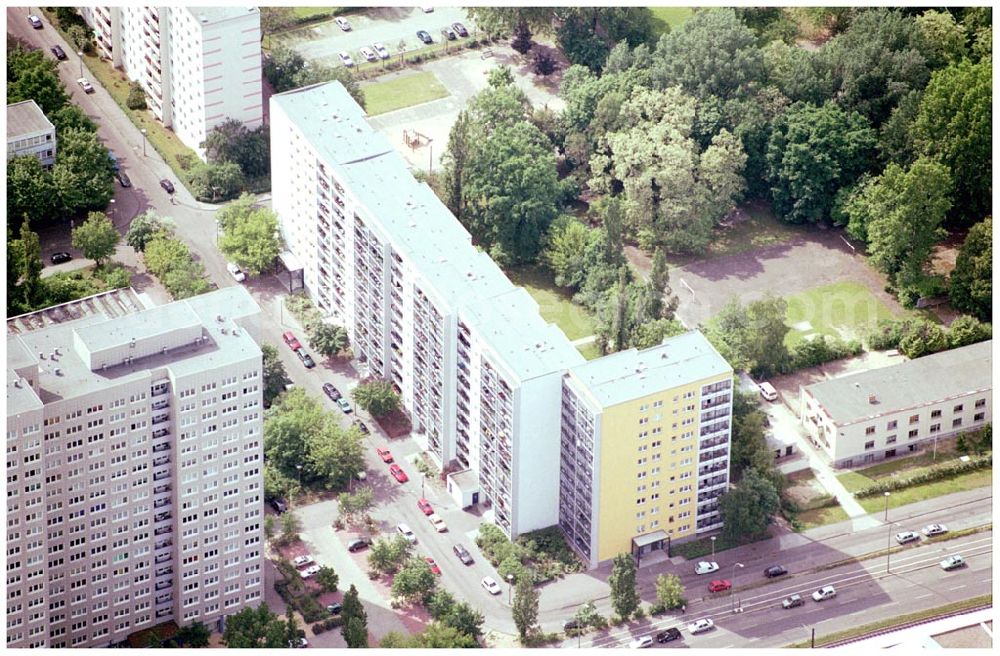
x=255, y=628
x=878, y=60
x=813, y=152
x=747, y=509
x=96, y=237
x=900, y=214
x=144, y=228
x=250, y=235
x=327, y=578
x=30, y=191
x=971, y=287
x=587, y=616
x=669, y=591
x=24, y=270
x=232, y=141
x=525, y=607
x=355, y=628
x=624, y=597
x=954, y=126
x=32, y=76
x=712, y=54
x=749, y=442
x=665, y=303
x=944, y=38
x=82, y=173
x=500, y=21
x=377, y=397
x=215, y=182
x=327, y=338
x=752, y=337
x=414, y=581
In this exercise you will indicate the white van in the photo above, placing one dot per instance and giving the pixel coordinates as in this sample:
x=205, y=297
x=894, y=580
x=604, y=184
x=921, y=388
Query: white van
x=768, y=392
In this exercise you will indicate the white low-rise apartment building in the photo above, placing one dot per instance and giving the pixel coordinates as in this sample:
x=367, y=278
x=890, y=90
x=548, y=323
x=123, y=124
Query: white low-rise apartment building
x=199, y=66
x=477, y=368
x=30, y=132
x=861, y=418
x=134, y=468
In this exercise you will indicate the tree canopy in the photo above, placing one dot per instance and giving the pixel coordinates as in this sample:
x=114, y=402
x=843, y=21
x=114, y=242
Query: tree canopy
x=624, y=597
x=972, y=279
x=747, y=509
x=250, y=236
x=96, y=237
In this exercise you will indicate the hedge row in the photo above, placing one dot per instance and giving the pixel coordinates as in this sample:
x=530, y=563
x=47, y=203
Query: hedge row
x=939, y=473
x=294, y=592
x=332, y=623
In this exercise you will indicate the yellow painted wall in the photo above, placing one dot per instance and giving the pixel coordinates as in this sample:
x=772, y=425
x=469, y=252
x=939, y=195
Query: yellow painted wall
x=619, y=482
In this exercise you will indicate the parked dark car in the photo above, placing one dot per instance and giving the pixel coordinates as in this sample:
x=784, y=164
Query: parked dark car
x=449, y=34
x=460, y=29
x=305, y=357
x=362, y=426
x=669, y=635
x=278, y=505
x=123, y=179
x=463, y=554
x=335, y=608
x=58, y=52
x=357, y=544
x=776, y=570
x=425, y=36
x=331, y=391
x=571, y=625
x=167, y=185
x=60, y=257
x=35, y=21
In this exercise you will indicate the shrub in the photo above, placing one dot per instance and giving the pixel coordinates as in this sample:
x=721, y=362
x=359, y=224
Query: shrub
x=334, y=622
x=948, y=470
x=821, y=350
x=136, y=97
x=545, y=63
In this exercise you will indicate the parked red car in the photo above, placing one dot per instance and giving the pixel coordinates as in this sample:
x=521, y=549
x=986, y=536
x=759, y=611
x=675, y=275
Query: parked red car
x=291, y=340
x=425, y=506
x=398, y=473
x=384, y=454
x=434, y=566
x=719, y=586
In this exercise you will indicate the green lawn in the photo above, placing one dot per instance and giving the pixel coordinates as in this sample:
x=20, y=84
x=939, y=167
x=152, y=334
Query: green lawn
x=672, y=16
x=309, y=12
x=400, y=92
x=589, y=351
x=555, y=304
x=821, y=517
x=844, y=309
x=970, y=481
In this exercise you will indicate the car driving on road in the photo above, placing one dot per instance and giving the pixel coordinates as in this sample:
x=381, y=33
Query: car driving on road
x=671, y=634
x=398, y=473
x=437, y=522
x=907, y=536
x=701, y=625
x=775, y=570
x=385, y=454
x=331, y=391
x=167, y=185
x=463, y=554
x=58, y=52
x=85, y=85
x=35, y=21
x=345, y=406
x=934, y=529
x=406, y=532
x=824, y=593
x=60, y=257
x=642, y=642
x=307, y=360
x=425, y=506
x=490, y=585
x=791, y=601
x=952, y=562
x=719, y=586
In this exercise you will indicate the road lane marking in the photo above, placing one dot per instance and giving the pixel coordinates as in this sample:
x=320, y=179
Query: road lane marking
x=958, y=587
x=923, y=596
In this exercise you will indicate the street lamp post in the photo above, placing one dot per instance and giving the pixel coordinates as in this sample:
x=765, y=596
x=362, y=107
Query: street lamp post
x=713, y=547
x=888, y=545
x=510, y=588
x=80, y=52
x=216, y=231
x=299, y=467
x=886, y=507
x=732, y=590
x=143, y=131
x=111, y=211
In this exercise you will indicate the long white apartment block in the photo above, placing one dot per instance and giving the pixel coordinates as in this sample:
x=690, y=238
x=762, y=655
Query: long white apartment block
x=477, y=368
x=199, y=66
x=134, y=468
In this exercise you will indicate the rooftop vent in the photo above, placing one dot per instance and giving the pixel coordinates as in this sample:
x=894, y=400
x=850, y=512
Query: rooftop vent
x=163, y=350
x=225, y=331
x=52, y=355
x=58, y=371
x=131, y=343
x=41, y=356
x=218, y=318
x=236, y=333
x=57, y=351
x=872, y=399
x=17, y=383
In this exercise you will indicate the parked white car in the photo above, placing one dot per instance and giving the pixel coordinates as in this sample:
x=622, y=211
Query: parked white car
x=934, y=529
x=345, y=59
x=342, y=23
x=701, y=625
x=490, y=584
x=309, y=571
x=641, y=642
x=382, y=51
x=706, y=567
x=299, y=561
x=437, y=522
x=235, y=271
x=952, y=562
x=406, y=532
x=907, y=536
x=368, y=53
x=824, y=593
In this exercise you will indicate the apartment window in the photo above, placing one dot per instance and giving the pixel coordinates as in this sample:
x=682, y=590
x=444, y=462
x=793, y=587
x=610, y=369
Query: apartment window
x=956, y=423
x=914, y=419
x=935, y=414
x=980, y=403
x=869, y=445
x=935, y=428
x=891, y=439
x=958, y=408
x=979, y=416
x=912, y=434
x=870, y=430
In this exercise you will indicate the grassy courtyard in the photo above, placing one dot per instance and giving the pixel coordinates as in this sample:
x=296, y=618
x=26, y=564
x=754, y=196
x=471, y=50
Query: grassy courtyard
x=669, y=16
x=845, y=309
x=555, y=304
x=400, y=92
x=310, y=12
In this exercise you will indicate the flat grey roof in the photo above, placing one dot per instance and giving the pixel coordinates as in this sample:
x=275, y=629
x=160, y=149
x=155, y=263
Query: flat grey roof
x=75, y=376
x=633, y=374
x=910, y=384
x=219, y=14
x=26, y=117
x=422, y=229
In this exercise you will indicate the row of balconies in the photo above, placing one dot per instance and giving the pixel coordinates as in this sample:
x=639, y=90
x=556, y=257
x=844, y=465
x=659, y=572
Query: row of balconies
x=161, y=432
x=714, y=428
x=162, y=446
x=704, y=445
x=710, y=483
x=710, y=496
x=163, y=558
x=162, y=460
x=713, y=455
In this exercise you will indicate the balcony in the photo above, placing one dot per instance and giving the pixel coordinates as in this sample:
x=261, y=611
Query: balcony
x=161, y=418
x=161, y=503
x=163, y=516
x=163, y=530
x=163, y=446
x=159, y=476
x=712, y=483
x=157, y=390
x=162, y=460
x=165, y=571
x=713, y=456
x=163, y=558
x=164, y=599
x=161, y=432
x=163, y=544
x=161, y=404
x=164, y=585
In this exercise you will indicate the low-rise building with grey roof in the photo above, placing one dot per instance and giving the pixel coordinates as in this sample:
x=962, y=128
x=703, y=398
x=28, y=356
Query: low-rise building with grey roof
x=30, y=133
x=140, y=435
x=865, y=417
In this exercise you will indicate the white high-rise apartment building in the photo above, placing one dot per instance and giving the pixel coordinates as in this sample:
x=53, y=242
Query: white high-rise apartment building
x=199, y=66
x=477, y=368
x=134, y=469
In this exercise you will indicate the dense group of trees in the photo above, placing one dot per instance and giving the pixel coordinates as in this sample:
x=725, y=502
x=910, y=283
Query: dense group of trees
x=884, y=128
x=286, y=69
x=304, y=442
x=250, y=236
x=167, y=257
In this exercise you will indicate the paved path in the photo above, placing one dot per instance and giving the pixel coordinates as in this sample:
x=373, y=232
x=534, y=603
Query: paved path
x=584, y=340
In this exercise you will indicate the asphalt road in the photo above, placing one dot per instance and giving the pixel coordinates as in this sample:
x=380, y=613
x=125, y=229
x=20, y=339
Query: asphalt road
x=865, y=593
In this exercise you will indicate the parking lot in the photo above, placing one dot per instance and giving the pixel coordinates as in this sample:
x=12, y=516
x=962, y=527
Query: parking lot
x=390, y=26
